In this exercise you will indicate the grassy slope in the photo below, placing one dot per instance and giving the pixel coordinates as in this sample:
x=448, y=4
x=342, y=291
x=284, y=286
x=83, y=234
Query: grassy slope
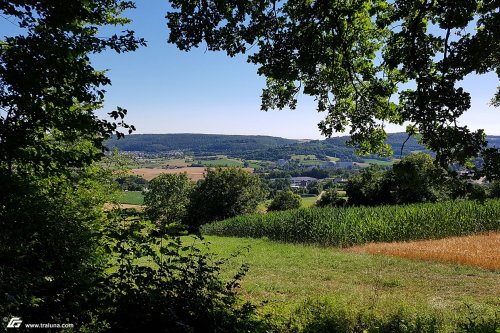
x=286, y=275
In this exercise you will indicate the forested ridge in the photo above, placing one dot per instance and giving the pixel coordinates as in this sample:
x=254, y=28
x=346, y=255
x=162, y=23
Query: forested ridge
x=258, y=147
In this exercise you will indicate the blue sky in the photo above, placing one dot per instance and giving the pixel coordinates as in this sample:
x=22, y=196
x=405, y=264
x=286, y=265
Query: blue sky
x=169, y=91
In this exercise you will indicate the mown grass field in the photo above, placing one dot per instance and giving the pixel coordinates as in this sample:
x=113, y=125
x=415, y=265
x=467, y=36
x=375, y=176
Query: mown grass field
x=131, y=198
x=287, y=277
x=307, y=202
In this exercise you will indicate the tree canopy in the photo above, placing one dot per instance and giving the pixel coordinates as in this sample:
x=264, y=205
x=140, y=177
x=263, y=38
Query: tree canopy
x=167, y=198
x=224, y=193
x=366, y=62
x=49, y=89
x=285, y=200
x=52, y=194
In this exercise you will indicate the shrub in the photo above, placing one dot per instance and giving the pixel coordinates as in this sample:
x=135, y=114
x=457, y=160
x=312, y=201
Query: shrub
x=158, y=284
x=285, y=200
x=167, y=198
x=50, y=260
x=316, y=316
x=495, y=189
x=224, y=193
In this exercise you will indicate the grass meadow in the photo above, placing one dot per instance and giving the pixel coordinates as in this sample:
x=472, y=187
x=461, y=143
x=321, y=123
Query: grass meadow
x=307, y=202
x=131, y=198
x=302, y=286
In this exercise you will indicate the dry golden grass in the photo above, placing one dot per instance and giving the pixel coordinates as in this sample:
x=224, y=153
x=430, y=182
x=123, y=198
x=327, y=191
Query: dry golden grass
x=477, y=250
x=194, y=173
x=109, y=206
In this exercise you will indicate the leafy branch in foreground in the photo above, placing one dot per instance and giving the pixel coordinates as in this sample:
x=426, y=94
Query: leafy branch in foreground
x=49, y=89
x=167, y=284
x=366, y=62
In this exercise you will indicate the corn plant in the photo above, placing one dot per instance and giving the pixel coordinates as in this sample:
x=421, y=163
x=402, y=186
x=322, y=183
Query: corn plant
x=357, y=225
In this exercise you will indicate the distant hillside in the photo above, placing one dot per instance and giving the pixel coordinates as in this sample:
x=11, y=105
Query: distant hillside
x=199, y=144
x=260, y=147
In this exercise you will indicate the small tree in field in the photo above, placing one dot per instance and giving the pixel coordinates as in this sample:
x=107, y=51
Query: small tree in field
x=285, y=200
x=167, y=198
x=224, y=193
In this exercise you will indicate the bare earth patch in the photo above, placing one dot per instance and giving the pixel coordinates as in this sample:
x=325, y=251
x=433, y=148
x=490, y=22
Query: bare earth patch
x=194, y=173
x=478, y=250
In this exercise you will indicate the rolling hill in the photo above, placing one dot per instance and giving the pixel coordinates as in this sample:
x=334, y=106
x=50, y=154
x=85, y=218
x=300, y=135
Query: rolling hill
x=259, y=147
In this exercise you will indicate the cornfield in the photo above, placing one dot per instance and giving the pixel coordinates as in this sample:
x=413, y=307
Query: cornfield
x=345, y=227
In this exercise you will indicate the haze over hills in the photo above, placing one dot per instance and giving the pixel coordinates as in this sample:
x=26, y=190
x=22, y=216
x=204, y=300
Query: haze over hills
x=257, y=147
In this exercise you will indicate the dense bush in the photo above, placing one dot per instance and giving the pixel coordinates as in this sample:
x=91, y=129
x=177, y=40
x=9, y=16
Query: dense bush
x=224, y=193
x=495, y=189
x=277, y=185
x=370, y=188
x=49, y=253
x=160, y=284
x=357, y=225
x=167, y=198
x=285, y=200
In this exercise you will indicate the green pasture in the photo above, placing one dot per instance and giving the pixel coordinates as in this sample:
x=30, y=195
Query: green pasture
x=307, y=202
x=131, y=198
x=286, y=278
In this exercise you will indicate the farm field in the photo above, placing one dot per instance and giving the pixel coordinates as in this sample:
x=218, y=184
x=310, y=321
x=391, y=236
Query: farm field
x=131, y=198
x=289, y=276
x=221, y=161
x=475, y=250
x=307, y=202
x=361, y=165
x=378, y=162
x=344, y=227
x=334, y=159
x=194, y=173
x=180, y=162
x=310, y=160
x=109, y=206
